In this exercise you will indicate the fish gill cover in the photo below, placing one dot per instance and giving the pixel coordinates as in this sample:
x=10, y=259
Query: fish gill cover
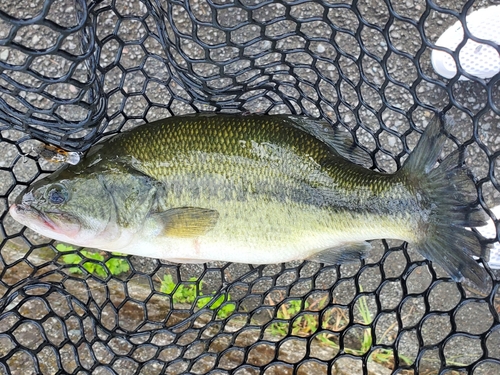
x=73, y=72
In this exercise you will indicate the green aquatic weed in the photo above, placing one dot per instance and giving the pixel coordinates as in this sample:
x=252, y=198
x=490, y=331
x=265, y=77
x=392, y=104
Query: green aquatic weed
x=304, y=325
x=114, y=265
x=189, y=293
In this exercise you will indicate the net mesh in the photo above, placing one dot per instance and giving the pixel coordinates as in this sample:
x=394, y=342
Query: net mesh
x=72, y=72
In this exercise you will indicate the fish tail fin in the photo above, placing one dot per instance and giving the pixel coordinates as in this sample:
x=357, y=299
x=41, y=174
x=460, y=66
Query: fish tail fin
x=448, y=198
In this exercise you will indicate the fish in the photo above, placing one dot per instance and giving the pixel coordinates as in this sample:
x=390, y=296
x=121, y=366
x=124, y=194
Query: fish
x=258, y=189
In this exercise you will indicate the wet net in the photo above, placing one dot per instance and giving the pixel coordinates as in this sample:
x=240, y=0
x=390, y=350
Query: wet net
x=73, y=72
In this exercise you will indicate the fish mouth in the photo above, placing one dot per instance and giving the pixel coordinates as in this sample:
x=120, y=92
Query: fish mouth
x=54, y=224
x=22, y=210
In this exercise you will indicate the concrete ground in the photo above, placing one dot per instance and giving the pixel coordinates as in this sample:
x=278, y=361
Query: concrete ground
x=44, y=311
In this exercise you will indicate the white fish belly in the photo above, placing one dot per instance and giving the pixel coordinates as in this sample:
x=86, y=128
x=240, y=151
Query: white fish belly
x=267, y=233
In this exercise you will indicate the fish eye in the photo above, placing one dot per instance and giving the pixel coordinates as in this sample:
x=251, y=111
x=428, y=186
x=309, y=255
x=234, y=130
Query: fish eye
x=58, y=194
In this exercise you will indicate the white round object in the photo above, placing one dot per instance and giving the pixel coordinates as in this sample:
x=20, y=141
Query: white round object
x=489, y=231
x=478, y=59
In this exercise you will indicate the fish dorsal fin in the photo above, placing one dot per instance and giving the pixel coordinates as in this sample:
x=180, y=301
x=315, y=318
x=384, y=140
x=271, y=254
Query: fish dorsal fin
x=185, y=222
x=349, y=252
x=339, y=141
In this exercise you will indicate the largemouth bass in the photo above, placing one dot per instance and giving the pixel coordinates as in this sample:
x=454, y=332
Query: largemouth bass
x=256, y=189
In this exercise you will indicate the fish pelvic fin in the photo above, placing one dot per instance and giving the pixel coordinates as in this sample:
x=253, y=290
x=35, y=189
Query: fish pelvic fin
x=448, y=197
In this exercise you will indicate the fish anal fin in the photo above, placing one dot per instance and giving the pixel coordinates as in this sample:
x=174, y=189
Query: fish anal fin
x=349, y=252
x=186, y=222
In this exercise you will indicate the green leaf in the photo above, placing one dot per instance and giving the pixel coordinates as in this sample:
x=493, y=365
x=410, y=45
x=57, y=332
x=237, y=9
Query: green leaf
x=92, y=255
x=100, y=271
x=218, y=302
x=71, y=259
x=62, y=247
x=89, y=266
x=202, y=302
x=76, y=270
x=167, y=284
x=117, y=266
x=226, y=310
x=188, y=293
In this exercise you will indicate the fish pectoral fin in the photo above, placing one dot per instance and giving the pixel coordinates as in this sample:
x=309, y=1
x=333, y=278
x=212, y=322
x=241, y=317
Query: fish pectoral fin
x=186, y=222
x=346, y=253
